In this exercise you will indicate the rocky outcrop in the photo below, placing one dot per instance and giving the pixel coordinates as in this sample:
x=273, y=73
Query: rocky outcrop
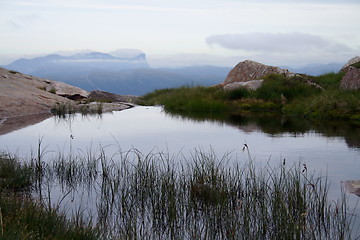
x=351, y=80
x=349, y=63
x=248, y=71
x=26, y=100
x=22, y=94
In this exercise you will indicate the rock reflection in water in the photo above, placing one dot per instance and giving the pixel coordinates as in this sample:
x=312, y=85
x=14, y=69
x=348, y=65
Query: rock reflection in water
x=352, y=187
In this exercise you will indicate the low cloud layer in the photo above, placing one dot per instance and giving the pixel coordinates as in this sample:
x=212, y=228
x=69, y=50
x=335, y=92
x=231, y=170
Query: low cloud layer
x=275, y=42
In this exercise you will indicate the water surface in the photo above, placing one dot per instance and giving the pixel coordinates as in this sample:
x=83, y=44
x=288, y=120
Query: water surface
x=327, y=148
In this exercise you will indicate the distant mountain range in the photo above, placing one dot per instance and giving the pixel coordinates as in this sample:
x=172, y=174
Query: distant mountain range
x=117, y=74
x=317, y=69
x=127, y=71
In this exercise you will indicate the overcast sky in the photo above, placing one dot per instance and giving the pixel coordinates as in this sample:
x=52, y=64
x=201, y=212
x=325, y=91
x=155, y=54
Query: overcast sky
x=186, y=32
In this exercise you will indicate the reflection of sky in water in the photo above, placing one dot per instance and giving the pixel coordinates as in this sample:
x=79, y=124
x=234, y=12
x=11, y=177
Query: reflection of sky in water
x=148, y=128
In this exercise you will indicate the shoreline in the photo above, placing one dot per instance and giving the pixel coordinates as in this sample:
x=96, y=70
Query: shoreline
x=12, y=123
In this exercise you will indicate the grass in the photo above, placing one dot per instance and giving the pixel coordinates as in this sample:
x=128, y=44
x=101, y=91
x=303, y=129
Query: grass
x=321, y=99
x=357, y=65
x=13, y=175
x=13, y=72
x=52, y=90
x=64, y=109
x=22, y=217
x=157, y=196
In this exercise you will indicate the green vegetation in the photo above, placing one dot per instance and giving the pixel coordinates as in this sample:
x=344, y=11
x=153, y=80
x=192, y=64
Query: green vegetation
x=13, y=175
x=52, y=90
x=13, y=72
x=357, y=65
x=42, y=88
x=312, y=97
x=64, y=109
x=22, y=217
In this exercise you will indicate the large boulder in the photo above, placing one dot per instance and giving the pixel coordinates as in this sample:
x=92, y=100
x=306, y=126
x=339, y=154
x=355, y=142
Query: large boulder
x=349, y=63
x=249, y=70
x=351, y=80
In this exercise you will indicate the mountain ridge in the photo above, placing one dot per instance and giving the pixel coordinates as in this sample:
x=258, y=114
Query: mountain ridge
x=126, y=73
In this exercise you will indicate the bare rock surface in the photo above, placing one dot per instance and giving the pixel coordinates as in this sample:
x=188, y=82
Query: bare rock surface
x=350, y=62
x=351, y=80
x=249, y=70
x=22, y=94
x=68, y=91
x=252, y=85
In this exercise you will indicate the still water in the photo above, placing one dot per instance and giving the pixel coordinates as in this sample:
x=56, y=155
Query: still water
x=151, y=129
x=331, y=149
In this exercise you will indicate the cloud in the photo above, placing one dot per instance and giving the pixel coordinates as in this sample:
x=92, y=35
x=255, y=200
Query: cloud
x=13, y=24
x=276, y=42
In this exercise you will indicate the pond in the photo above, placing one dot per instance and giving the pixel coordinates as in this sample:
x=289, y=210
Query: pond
x=332, y=149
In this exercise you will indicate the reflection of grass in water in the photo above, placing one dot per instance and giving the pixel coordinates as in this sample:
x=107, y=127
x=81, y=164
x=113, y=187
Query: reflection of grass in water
x=22, y=217
x=156, y=196
x=65, y=109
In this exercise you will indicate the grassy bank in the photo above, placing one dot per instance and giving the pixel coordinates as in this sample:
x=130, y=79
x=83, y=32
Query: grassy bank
x=22, y=217
x=288, y=96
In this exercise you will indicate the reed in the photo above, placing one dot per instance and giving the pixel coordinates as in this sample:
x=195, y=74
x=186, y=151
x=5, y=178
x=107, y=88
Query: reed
x=23, y=217
x=158, y=196
x=65, y=109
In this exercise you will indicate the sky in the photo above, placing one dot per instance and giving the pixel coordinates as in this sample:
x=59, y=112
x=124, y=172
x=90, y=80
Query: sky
x=185, y=32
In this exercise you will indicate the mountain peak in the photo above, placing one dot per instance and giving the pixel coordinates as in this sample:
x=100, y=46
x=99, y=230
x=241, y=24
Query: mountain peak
x=92, y=55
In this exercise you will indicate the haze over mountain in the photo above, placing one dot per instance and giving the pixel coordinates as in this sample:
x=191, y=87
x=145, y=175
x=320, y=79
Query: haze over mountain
x=122, y=72
x=126, y=71
x=316, y=69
